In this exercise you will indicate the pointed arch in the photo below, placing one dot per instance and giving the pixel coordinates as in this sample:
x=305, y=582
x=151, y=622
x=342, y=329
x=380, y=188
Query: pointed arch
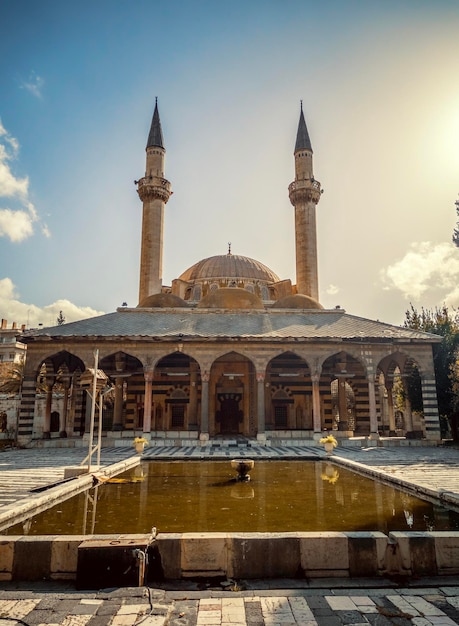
x=232, y=396
x=344, y=394
x=289, y=404
x=401, y=397
x=175, y=388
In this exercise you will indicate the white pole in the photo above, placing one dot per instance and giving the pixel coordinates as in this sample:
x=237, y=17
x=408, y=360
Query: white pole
x=99, y=432
x=93, y=407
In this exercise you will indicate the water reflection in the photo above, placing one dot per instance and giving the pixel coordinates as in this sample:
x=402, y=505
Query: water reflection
x=331, y=474
x=283, y=496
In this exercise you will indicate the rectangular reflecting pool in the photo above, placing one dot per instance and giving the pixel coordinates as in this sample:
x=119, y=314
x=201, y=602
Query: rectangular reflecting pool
x=282, y=496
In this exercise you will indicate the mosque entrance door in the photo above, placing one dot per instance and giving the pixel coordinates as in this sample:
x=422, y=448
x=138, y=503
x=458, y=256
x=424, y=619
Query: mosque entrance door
x=229, y=416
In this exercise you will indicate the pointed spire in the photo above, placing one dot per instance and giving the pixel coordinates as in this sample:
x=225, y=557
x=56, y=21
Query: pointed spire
x=302, y=137
x=155, y=138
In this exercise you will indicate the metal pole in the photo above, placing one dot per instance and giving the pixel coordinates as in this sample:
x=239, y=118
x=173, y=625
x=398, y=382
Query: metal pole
x=99, y=432
x=93, y=407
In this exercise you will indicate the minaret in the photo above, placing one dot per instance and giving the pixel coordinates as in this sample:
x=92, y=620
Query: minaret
x=154, y=191
x=304, y=194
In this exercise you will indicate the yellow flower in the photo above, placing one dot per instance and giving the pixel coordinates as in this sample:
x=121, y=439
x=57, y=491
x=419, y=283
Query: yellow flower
x=332, y=479
x=140, y=440
x=329, y=439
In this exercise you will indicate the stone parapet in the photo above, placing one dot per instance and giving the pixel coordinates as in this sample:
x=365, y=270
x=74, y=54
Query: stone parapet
x=247, y=555
x=154, y=187
x=304, y=190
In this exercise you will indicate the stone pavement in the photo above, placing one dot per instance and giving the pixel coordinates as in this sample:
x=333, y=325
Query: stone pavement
x=258, y=605
x=430, y=470
x=24, y=470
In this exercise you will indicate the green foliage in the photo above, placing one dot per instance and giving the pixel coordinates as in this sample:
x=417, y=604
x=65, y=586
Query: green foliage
x=60, y=319
x=11, y=377
x=456, y=230
x=446, y=324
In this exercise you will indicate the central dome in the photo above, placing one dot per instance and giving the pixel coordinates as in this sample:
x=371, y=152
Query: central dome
x=229, y=266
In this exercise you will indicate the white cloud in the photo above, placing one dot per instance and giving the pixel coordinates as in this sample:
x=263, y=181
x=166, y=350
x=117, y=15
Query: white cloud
x=16, y=224
x=332, y=290
x=16, y=311
x=10, y=186
x=426, y=267
x=33, y=84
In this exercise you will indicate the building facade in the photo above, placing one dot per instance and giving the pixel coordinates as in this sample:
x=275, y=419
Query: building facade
x=229, y=349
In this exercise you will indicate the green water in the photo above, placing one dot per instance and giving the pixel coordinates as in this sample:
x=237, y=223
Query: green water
x=282, y=496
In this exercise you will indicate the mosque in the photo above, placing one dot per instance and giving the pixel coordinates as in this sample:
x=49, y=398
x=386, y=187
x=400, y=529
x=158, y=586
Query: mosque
x=229, y=351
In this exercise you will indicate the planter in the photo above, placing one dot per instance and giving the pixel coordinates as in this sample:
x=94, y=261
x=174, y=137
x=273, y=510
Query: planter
x=139, y=447
x=328, y=448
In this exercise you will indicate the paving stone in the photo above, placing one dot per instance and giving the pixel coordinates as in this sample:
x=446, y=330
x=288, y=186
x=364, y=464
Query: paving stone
x=100, y=620
x=49, y=603
x=133, y=609
x=450, y=591
x=351, y=617
x=58, y=617
x=388, y=613
x=329, y=620
x=380, y=620
x=44, y=616
x=184, y=613
x=83, y=609
x=76, y=620
x=108, y=608
x=318, y=602
x=424, y=607
x=340, y=603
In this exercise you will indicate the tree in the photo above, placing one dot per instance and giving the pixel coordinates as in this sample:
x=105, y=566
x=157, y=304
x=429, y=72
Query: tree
x=456, y=230
x=445, y=354
x=11, y=376
x=60, y=319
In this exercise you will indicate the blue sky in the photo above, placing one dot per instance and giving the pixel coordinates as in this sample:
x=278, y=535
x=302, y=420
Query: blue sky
x=381, y=98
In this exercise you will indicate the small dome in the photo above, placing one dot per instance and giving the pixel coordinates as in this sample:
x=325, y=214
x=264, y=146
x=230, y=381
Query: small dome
x=161, y=300
x=297, y=301
x=230, y=298
x=229, y=266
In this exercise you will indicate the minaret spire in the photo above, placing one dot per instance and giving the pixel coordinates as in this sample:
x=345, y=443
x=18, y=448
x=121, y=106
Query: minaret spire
x=302, y=137
x=154, y=191
x=155, y=137
x=304, y=194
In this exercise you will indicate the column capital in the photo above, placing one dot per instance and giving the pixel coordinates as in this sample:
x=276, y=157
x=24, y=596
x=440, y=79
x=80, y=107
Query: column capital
x=148, y=376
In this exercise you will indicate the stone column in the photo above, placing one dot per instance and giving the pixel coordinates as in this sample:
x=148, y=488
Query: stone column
x=316, y=417
x=27, y=406
x=342, y=403
x=372, y=405
x=408, y=416
x=193, y=415
x=147, y=402
x=261, y=405
x=49, y=402
x=204, y=436
x=390, y=408
x=118, y=408
x=430, y=406
x=63, y=416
